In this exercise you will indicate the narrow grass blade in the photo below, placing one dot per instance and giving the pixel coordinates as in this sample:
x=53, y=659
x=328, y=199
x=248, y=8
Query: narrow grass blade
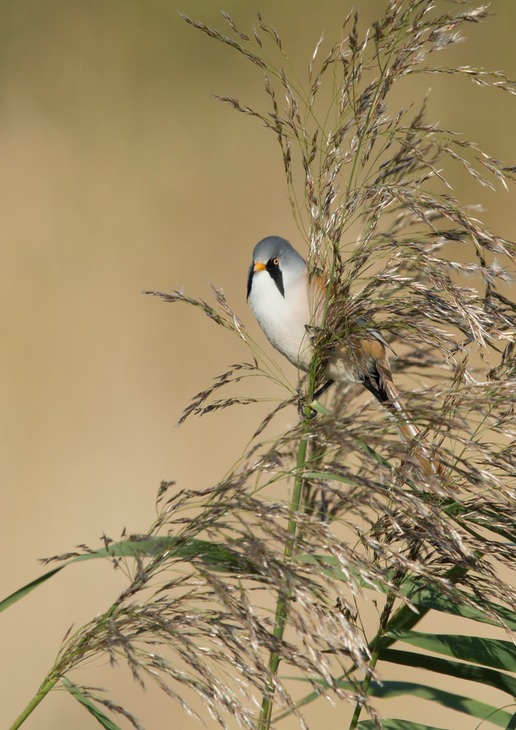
x=489, y=677
x=86, y=702
x=450, y=700
x=328, y=476
x=394, y=724
x=430, y=597
x=22, y=592
x=213, y=555
x=490, y=652
x=487, y=520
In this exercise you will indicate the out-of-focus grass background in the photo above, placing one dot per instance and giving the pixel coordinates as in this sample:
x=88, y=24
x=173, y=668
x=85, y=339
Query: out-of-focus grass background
x=120, y=173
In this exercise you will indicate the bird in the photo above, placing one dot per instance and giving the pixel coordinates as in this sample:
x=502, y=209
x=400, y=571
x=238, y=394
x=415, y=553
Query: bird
x=289, y=304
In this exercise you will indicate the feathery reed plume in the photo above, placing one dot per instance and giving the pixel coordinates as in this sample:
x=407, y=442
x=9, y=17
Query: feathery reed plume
x=245, y=599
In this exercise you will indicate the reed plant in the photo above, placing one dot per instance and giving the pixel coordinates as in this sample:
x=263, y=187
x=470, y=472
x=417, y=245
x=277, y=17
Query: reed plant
x=260, y=604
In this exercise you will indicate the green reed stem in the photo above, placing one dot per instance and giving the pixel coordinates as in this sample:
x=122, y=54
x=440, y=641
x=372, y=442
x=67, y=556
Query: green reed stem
x=42, y=692
x=280, y=618
x=296, y=505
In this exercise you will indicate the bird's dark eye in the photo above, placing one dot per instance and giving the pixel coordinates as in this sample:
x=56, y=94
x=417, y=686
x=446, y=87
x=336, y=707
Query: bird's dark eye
x=275, y=262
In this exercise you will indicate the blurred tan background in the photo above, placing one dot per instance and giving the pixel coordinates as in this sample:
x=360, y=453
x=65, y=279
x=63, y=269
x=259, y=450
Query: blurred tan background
x=119, y=174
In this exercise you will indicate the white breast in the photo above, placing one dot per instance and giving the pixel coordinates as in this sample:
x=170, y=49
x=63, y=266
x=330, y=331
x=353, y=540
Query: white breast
x=283, y=319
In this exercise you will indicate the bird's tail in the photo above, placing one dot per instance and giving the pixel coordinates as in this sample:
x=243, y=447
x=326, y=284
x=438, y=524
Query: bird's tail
x=378, y=381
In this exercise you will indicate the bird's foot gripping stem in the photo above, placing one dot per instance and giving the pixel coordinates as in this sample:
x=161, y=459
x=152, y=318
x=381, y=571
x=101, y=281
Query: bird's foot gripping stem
x=302, y=405
x=313, y=333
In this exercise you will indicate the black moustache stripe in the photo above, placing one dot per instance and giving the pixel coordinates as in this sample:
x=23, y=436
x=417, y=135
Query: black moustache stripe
x=249, y=280
x=276, y=275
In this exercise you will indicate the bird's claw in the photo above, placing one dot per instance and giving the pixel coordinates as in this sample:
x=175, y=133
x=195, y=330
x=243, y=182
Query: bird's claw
x=304, y=410
x=313, y=333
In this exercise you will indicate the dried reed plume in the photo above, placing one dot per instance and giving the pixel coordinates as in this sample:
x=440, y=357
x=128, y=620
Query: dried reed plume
x=231, y=588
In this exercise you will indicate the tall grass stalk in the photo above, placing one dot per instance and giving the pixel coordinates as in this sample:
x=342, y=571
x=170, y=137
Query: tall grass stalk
x=368, y=186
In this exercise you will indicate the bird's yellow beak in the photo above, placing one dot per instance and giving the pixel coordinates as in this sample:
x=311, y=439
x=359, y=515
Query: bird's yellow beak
x=259, y=266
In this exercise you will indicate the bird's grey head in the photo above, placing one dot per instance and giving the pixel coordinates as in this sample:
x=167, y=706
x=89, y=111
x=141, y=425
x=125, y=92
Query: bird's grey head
x=277, y=256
